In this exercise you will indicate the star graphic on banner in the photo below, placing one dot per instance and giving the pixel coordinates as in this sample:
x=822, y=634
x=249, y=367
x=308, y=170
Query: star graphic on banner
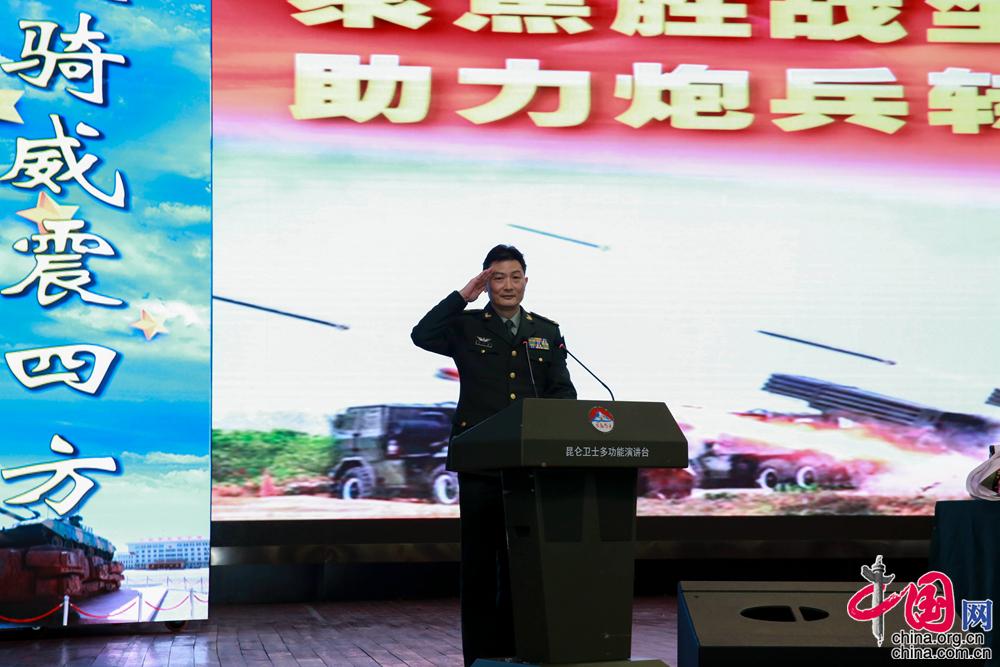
x=8, y=106
x=47, y=209
x=149, y=325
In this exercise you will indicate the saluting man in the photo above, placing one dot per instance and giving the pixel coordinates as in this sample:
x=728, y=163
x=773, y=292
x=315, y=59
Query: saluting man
x=503, y=354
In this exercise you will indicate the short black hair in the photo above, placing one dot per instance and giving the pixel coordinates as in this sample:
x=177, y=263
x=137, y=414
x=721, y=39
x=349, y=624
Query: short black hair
x=502, y=253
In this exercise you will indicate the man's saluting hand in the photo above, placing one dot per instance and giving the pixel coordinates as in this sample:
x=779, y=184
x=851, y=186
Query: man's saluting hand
x=475, y=287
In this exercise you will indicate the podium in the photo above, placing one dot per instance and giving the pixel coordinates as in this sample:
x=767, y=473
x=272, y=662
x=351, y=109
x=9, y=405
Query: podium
x=569, y=471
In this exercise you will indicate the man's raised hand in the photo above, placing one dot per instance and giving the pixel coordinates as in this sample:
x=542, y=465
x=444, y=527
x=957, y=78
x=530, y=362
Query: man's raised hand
x=475, y=287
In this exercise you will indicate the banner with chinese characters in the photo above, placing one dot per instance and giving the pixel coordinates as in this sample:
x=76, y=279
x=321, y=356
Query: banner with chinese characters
x=105, y=273
x=778, y=217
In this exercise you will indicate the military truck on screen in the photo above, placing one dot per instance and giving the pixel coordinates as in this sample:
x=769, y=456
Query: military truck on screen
x=896, y=417
x=394, y=450
x=736, y=463
x=731, y=461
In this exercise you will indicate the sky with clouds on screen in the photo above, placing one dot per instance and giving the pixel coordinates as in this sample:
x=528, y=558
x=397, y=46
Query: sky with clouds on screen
x=154, y=411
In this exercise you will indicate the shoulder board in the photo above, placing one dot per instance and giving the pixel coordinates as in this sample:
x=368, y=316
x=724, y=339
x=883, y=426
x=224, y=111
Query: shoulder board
x=544, y=319
x=473, y=312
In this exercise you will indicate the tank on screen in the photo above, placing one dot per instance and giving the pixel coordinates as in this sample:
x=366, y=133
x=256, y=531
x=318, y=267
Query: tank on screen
x=43, y=560
x=394, y=450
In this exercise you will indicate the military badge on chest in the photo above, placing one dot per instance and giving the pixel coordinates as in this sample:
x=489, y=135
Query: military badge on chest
x=484, y=342
x=536, y=343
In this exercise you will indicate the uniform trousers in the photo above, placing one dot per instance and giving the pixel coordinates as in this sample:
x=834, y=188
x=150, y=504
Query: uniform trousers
x=487, y=611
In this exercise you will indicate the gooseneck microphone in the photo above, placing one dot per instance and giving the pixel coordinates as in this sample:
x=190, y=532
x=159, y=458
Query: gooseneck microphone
x=562, y=346
x=531, y=373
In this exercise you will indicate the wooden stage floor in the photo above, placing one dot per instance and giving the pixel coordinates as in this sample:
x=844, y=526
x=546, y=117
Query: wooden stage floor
x=421, y=633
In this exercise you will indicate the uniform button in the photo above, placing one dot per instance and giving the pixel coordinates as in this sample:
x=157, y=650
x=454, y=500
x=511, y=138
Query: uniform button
x=482, y=351
x=463, y=424
x=513, y=353
x=513, y=396
x=540, y=359
x=513, y=375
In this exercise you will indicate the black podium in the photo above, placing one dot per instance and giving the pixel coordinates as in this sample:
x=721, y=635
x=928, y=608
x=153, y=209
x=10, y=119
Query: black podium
x=569, y=471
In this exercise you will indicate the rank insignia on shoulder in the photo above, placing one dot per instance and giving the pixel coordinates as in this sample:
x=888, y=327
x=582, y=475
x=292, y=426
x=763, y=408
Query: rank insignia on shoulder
x=543, y=319
x=484, y=341
x=536, y=343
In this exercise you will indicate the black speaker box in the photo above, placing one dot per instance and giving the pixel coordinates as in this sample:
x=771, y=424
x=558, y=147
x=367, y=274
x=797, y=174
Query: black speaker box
x=800, y=624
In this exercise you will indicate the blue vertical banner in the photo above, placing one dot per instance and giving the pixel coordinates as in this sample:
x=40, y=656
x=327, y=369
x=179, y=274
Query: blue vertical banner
x=105, y=305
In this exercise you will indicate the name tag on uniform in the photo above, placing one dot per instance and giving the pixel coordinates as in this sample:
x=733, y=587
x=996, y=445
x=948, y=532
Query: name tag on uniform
x=536, y=343
x=484, y=341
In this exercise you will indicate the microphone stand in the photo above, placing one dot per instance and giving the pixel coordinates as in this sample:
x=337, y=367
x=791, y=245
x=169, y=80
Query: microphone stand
x=531, y=373
x=562, y=346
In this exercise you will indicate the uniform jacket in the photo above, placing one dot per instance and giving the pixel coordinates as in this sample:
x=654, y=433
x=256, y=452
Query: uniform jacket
x=493, y=368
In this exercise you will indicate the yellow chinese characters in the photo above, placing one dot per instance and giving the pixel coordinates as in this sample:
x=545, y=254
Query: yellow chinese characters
x=361, y=13
x=533, y=16
x=60, y=255
x=866, y=96
x=688, y=18
x=61, y=473
x=82, y=57
x=955, y=100
x=874, y=20
x=329, y=86
x=48, y=162
x=699, y=98
x=969, y=21
x=81, y=367
x=690, y=97
x=519, y=82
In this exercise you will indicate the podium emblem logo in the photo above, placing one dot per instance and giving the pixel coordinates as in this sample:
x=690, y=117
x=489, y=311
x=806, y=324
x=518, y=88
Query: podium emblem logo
x=602, y=420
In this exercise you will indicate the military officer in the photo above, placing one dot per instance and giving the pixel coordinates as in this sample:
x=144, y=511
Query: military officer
x=503, y=354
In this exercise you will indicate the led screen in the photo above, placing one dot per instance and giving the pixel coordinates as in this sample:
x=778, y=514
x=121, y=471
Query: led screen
x=105, y=313
x=780, y=222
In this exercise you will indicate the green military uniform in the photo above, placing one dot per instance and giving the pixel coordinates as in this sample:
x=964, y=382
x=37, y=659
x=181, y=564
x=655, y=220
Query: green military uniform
x=493, y=366
x=496, y=369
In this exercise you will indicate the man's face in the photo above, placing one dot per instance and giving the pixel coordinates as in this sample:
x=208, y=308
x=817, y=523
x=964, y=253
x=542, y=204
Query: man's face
x=506, y=286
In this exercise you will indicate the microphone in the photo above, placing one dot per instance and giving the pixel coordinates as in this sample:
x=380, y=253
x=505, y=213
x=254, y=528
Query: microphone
x=531, y=373
x=562, y=346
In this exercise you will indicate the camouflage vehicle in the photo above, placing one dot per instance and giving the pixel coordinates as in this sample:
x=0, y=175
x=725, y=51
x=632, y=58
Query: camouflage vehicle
x=396, y=450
